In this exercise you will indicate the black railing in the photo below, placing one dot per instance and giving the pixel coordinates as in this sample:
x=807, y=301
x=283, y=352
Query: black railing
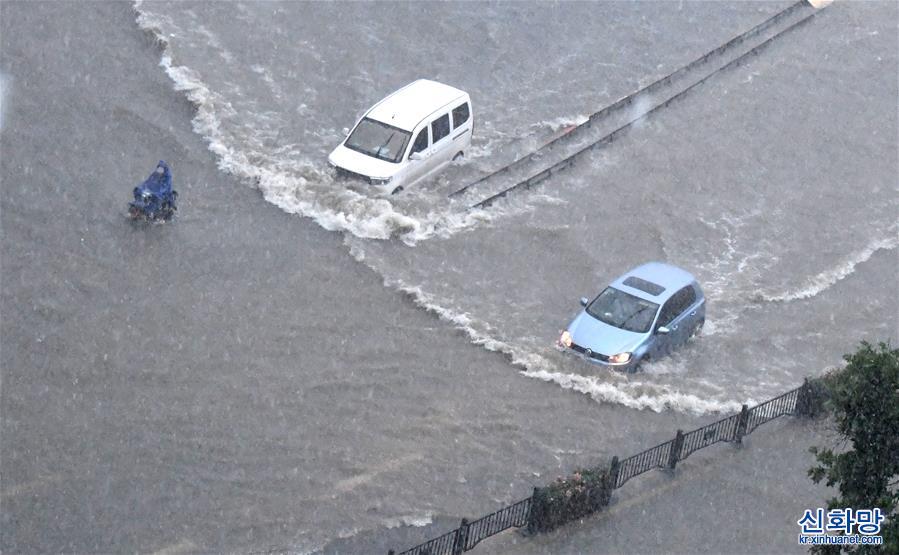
x=722, y=430
x=576, y=497
x=444, y=545
x=769, y=410
x=657, y=457
x=513, y=516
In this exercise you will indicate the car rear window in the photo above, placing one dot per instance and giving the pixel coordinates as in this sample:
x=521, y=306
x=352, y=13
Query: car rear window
x=460, y=115
x=653, y=289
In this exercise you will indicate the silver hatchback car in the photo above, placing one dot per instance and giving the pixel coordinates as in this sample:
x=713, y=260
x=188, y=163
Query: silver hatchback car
x=641, y=316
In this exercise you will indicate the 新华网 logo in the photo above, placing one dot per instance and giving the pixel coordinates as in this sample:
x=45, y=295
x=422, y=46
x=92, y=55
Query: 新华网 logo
x=841, y=527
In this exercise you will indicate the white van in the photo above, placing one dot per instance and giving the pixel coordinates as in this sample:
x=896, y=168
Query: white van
x=409, y=135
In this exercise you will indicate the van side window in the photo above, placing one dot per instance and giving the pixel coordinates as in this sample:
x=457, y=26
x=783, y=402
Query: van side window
x=460, y=115
x=440, y=127
x=421, y=142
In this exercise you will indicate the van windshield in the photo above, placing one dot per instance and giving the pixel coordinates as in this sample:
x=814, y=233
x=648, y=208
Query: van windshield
x=378, y=140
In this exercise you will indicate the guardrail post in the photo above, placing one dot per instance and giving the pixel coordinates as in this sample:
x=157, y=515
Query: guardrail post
x=676, y=446
x=802, y=399
x=809, y=398
x=535, y=514
x=742, y=424
x=607, y=487
x=613, y=474
x=461, y=536
x=817, y=394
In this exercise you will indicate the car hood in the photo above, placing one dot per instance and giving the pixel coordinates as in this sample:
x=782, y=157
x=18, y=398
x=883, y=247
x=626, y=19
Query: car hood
x=363, y=164
x=590, y=333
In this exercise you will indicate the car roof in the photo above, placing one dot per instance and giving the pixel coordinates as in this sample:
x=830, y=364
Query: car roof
x=408, y=106
x=670, y=277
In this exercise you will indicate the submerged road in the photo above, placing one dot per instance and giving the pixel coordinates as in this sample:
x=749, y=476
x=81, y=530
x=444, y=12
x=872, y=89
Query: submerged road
x=235, y=381
x=232, y=381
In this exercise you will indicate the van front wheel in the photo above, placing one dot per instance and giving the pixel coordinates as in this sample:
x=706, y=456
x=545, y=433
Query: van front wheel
x=459, y=155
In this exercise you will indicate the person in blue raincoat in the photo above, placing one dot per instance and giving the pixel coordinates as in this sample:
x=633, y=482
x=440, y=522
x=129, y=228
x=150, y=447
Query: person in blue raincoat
x=154, y=198
x=160, y=181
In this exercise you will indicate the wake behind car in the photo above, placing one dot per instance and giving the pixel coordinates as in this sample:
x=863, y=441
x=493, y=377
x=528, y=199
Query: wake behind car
x=409, y=135
x=641, y=316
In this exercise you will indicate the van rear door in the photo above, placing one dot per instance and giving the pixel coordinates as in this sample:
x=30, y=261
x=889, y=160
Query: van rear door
x=463, y=126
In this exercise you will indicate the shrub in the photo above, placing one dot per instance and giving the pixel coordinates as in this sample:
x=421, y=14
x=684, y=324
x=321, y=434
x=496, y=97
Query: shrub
x=570, y=498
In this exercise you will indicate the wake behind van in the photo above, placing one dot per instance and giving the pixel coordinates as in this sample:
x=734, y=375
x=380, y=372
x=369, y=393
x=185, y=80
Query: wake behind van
x=409, y=135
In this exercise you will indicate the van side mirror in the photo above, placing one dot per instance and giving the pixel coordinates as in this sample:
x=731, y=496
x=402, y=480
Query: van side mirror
x=663, y=330
x=416, y=156
x=346, y=131
x=584, y=301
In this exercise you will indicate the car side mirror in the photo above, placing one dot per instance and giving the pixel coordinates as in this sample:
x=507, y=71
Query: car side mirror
x=346, y=131
x=662, y=330
x=584, y=301
x=416, y=156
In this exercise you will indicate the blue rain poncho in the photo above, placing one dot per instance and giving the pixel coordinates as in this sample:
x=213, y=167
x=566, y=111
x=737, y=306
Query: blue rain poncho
x=159, y=183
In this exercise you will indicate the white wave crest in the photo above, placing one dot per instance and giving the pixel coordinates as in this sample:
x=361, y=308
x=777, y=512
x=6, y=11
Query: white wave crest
x=830, y=277
x=636, y=395
x=410, y=520
x=564, y=122
x=479, y=332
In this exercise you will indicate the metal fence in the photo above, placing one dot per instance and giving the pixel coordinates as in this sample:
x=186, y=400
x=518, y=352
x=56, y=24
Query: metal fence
x=444, y=545
x=657, y=457
x=805, y=400
x=773, y=408
x=722, y=430
x=513, y=516
x=470, y=534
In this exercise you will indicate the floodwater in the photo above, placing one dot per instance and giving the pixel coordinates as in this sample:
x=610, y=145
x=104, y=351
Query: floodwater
x=739, y=183
x=291, y=363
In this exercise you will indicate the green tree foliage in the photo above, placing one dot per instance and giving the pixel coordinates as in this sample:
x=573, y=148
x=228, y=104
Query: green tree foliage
x=864, y=401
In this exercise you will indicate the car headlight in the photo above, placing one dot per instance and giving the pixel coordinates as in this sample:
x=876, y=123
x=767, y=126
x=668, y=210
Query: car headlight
x=620, y=358
x=565, y=339
x=379, y=181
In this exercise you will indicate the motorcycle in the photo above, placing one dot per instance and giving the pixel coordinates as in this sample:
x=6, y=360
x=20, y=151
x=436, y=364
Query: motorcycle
x=154, y=199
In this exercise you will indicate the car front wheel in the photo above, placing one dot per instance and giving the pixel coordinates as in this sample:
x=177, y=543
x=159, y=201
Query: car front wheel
x=639, y=366
x=697, y=331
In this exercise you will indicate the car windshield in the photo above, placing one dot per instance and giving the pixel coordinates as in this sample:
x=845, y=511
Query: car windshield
x=622, y=310
x=378, y=140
